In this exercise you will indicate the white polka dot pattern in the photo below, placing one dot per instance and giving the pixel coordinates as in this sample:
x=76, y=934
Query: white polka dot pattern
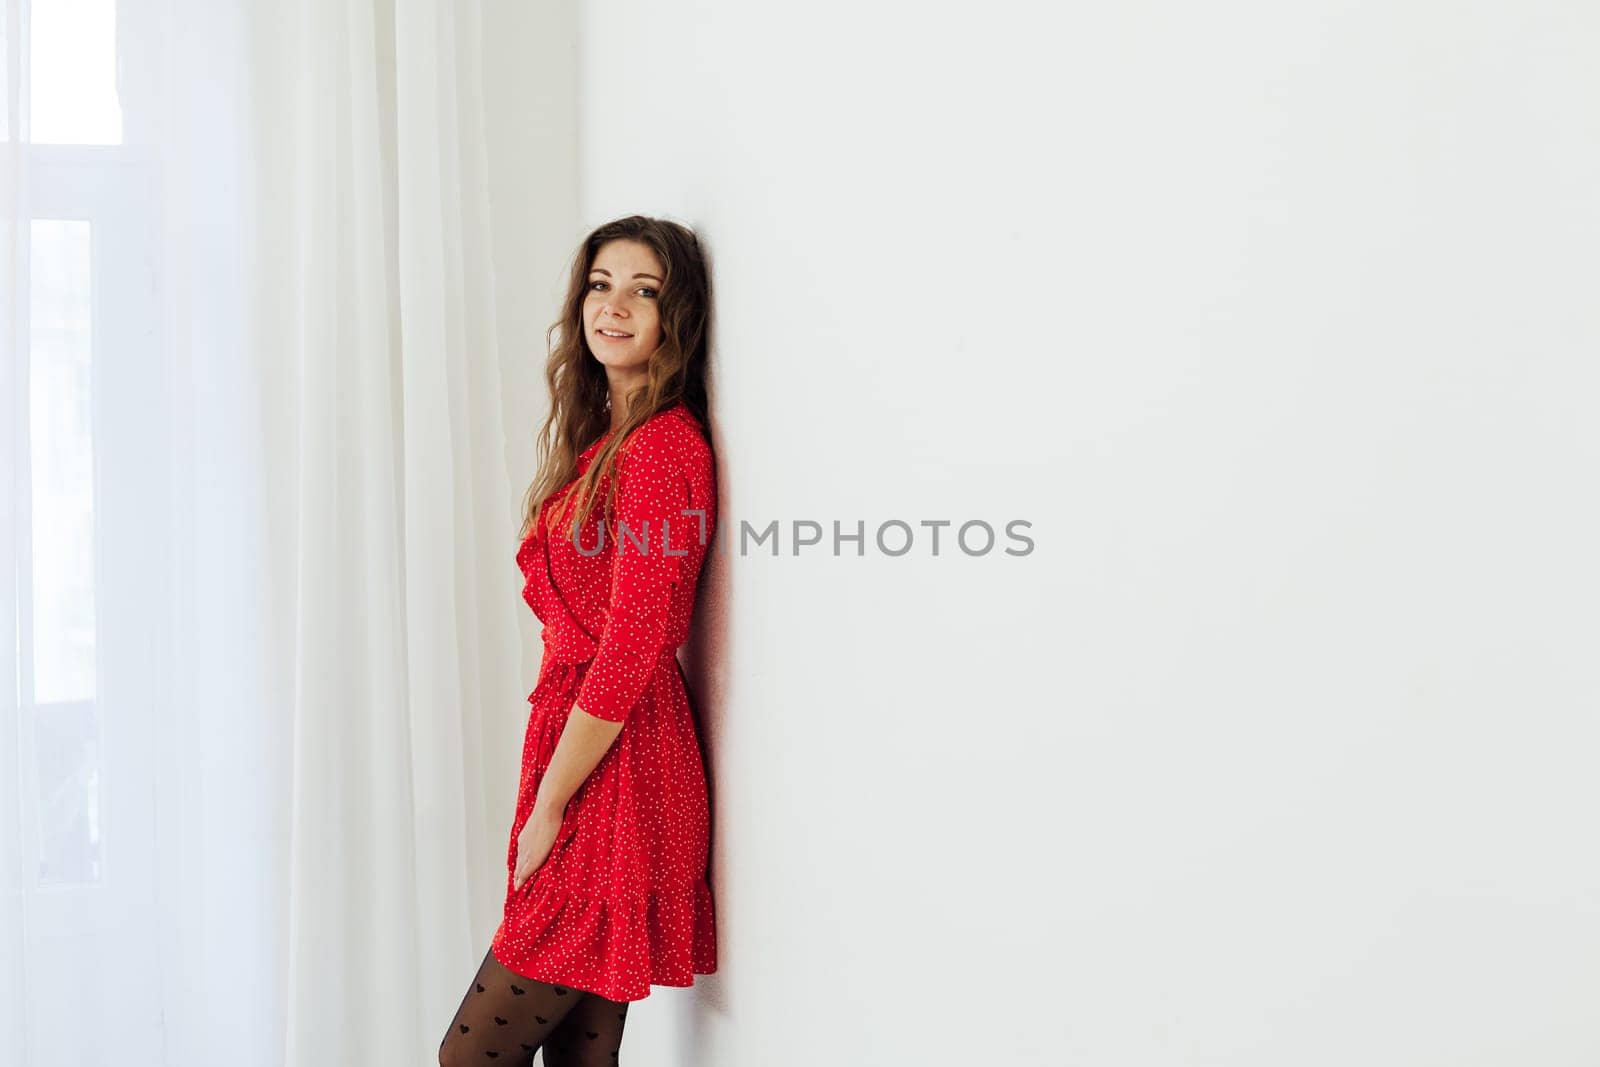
x=622, y=903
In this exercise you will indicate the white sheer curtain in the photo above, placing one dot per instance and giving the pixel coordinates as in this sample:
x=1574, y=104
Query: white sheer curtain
x=263, y=601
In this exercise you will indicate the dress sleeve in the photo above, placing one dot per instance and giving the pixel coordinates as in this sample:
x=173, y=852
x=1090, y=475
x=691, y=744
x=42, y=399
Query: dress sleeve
x=649, y=542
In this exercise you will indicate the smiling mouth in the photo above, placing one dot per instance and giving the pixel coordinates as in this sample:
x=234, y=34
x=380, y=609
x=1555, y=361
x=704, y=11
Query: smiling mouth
x=613, y=334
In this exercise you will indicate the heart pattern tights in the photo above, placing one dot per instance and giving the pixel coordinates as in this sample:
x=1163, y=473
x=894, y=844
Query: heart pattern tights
x=505, y=1018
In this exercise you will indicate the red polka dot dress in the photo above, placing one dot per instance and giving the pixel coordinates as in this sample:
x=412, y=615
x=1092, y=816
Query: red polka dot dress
x=622, y=902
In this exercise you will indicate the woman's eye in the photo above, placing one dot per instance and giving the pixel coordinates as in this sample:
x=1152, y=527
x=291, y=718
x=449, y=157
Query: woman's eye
x=641, y=289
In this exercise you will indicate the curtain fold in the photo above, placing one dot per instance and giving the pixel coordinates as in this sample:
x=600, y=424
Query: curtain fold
x=403, y=631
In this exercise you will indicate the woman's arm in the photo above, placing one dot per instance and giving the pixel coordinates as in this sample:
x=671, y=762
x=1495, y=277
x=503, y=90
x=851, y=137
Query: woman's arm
x=651, y=538
x=584, y=741
x=652, y=492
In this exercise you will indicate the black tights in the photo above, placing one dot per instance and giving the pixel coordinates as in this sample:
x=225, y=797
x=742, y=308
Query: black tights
x=505, y=1018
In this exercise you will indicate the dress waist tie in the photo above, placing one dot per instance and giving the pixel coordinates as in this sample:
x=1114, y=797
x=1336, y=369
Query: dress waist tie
x=564, y=675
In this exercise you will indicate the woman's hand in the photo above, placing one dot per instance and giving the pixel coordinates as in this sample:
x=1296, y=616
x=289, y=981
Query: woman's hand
x=538, y=836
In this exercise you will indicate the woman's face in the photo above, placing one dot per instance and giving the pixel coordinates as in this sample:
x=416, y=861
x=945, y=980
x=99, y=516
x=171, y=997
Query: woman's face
x=624, y=283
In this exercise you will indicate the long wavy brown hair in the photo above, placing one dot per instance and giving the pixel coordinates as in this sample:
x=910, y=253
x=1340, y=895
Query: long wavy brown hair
x=579, y=409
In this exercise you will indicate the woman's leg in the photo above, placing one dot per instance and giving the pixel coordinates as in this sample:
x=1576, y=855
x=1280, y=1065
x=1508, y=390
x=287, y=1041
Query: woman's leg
x=504, y=1017
x=590, y=1035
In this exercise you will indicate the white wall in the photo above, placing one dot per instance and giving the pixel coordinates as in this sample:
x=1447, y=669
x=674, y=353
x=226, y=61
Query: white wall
x=1277, y=323
x=530, y=92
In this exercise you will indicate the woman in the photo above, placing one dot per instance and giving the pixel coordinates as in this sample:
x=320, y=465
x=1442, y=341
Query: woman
x=606, y=891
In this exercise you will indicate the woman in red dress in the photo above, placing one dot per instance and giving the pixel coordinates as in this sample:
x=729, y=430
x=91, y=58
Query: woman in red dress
x=606, y=891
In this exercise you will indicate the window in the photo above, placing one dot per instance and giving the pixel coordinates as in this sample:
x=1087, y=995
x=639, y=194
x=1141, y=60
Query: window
x=82, y=390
